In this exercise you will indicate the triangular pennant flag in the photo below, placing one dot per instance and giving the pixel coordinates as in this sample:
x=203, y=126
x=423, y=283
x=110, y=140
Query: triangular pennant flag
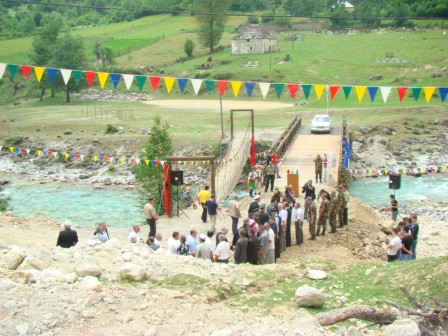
x=385, y=91
x=306, y=90
x=428, y=91
x=140, y=82
x=39, y=152
x=26, y=69
x=66, y=74
x=115, y=78
x=443, y=91
x=333, y=91
x=52, y=72
x=67, y=155
x=372, y=92
x=293, y=90
x=182, y=83
x=222, y=84
x=347, y=90
x=196, y=85
x=169, y=81
x=319, y=89
x=209, y=84
x=154, y=82
x=12, y=70
x=102, y=78
x=90, y=75
x=128, y=79
x=402, y=92
x=39, y=71
x=28, y=150
x=360, y=90
x=77, y=74
x=147, y=162
x=2, y=69
x=264, y=87
x=236, y=86
x=279, y=89
x=416, y=92
x=249, y=88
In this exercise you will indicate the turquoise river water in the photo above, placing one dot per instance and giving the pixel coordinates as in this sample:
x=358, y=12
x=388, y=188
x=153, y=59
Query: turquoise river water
x=83, y=205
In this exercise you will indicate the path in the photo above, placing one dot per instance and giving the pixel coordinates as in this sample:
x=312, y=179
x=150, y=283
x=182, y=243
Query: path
x=302, y=152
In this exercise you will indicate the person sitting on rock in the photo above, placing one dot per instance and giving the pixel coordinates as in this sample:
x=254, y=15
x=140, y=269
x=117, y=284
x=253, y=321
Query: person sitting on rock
x=99, y=235
x=202, y=249
x=67, y=237
x=152, y=244
x=134, y=236
x=174, y=242
x=183, y=248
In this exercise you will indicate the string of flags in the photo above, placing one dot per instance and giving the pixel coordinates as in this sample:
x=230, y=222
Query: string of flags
x=404, y=171
x=223, y=85
x=107, y=159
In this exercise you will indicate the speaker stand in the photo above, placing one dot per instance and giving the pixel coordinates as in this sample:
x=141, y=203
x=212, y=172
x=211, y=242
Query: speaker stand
x=178, y=205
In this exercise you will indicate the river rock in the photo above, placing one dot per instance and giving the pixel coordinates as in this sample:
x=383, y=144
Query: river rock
x=317, y=274
x=91, y=283
x=13, y=258
x=406, y=327
x=132, y=272
x=88, y=269
x=68, y=132
x=307, y=296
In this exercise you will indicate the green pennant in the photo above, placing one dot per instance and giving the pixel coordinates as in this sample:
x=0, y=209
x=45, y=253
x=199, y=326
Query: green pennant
x=140, y=81
x=306, y=90
x=209, y=84
x=416, y=91
x=347, y=90
x=279, y=89
x=13, y=70
x=77, y=75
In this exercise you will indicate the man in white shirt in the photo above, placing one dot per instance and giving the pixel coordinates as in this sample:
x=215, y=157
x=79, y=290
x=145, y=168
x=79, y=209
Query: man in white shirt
x=271, y=250
x=134, y=236
x=298, y=222
x=394, y=246
x=174, y=243
x=222, y=252
x=283, y=214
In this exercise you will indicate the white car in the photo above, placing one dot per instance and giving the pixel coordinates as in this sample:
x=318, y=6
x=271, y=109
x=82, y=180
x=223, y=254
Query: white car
x=321, y=123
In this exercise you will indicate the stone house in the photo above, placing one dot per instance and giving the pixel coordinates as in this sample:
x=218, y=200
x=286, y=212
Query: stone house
x=252, y=40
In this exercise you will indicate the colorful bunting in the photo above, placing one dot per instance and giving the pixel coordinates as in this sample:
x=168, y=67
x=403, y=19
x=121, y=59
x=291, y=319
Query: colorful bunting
x=182, y=83
x=222, y=84
x=416, y=92
x=306, y=90
x=360, y=90
x=385, y=92
x=39, y=71
x=102, y=78
x=333, y=91
x=66, y=74
x=249, y=88
x=428, y=92
x=115, y=78
x=347, y=90
x=128, y=79
x=12, y=70
x=209, y=84
x=443, y=92
x=293, y=90
x=372, y=92
x=140, y=82
x=26, y=69
x=279, y=89
x=236, y=86
x=196, y=85
x=402, y=92
x=169, y=82
x=52, y=72
x=264, y=87
x=319, y=89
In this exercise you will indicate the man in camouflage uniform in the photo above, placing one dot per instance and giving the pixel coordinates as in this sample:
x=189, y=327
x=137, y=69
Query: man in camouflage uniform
x=324, y=211
x=334, y=207
x=318, y=168
x=342, y=204
x=312, y=214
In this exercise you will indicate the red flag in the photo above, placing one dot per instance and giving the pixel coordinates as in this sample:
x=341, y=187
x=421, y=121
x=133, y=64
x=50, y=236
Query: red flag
x=402, y=92
x=253, y=152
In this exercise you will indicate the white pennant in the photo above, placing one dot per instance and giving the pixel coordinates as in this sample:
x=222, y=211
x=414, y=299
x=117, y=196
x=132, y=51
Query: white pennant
x=128, y=80
x=264, y=87
x=81, y=157
x=196, y=85
x=66, y=74
x=2, y=69
x=137, y=161
x=1, y=148
x=162, y=162
x=385, y=91
x=55, y=154
x=28, y=150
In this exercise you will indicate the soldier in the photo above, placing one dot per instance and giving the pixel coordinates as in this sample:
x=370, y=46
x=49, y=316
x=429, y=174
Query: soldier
x=312, y=211
x=324, y=210
x=341, y=198
x=334, y=207
x=318, y=167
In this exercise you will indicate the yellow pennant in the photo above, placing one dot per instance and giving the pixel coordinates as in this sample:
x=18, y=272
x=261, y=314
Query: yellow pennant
x=66, y=155
x=360, y=90
x=11, y=149
x=121, y=160
x=102, y=78
x=319, y=89
x=95, y=158
x=169, y=81
x=39, y=152
x=443, y=168
x=236, y=86
x=428, y=91
x=404, y=171
x=147, y=162
x=39, y=71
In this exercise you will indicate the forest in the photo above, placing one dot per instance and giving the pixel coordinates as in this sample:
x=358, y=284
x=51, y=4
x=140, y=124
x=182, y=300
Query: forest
x=20, y=18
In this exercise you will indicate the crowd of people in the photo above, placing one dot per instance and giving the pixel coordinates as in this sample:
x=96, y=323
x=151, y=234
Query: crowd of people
x=403, y=245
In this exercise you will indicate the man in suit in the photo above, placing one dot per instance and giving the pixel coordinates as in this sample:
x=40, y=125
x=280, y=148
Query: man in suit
x=67, y=237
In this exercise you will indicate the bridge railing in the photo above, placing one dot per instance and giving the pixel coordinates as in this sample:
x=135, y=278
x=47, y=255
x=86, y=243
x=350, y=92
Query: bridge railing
x=285, y=140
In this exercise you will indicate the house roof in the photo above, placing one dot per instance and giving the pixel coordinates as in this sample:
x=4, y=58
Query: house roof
x=253, y=32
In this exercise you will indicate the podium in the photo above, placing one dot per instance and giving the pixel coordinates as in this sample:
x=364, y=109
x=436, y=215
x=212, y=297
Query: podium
x=293, y=179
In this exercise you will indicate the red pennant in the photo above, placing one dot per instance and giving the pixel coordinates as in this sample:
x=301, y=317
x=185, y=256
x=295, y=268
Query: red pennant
x=154, y=82
x=222, y=84
x=157, y=163
x=90, y=75
x=132, y=161
x=76, y=156
x=293, y=89
x=22, y=150
x=334, y=90
x=26, y=69
x=402, y=92
x=106, y=159
x=49, y=153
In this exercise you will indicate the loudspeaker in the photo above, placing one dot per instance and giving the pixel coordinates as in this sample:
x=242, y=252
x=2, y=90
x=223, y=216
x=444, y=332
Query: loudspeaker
x=394, y=181
x=177, y=177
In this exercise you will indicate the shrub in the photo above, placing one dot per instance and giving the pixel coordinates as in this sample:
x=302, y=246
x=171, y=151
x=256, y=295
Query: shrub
x=13, y=141
x=223, y=75
x=111, y=129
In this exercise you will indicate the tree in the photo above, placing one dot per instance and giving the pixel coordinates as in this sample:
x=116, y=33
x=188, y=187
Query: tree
x=150, y=177
x=103, y=54
x=189, y=47
x=211, y=25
